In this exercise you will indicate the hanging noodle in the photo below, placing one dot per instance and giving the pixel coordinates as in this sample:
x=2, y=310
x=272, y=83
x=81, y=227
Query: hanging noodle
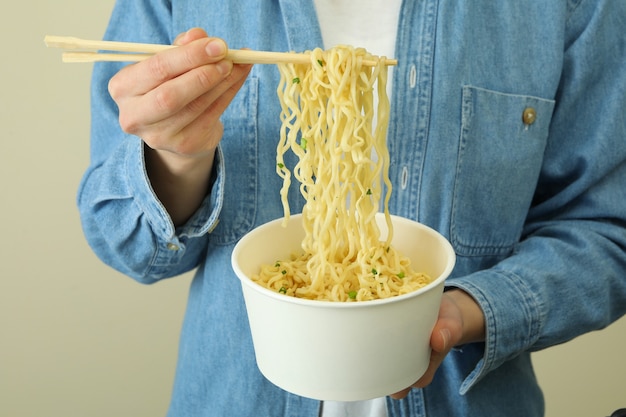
x=329, y=122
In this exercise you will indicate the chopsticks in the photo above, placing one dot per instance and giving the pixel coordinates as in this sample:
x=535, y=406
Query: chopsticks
x=82, y=50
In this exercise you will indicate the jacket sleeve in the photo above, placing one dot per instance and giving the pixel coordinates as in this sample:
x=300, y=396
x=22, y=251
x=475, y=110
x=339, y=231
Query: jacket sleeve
x=123, y=221
x=567, y=275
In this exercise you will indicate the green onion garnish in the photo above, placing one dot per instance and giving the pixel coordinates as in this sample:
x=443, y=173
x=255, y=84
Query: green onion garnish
x=352, y=295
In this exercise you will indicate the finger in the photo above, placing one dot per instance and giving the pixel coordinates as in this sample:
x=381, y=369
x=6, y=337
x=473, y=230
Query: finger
x=169, y=98
x=440, y=338
x=436, y=358
x=197, y=128
x=172, y=96
x=220, y=97
x=189, y=36
x=446, y=333
x=140, y=78
x=210, y=117
x=180, y=39
x=401, y=394
x=448, y=329
x=440, y=342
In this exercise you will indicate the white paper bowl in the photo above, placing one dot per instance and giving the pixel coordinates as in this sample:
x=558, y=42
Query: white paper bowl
x=342, y=351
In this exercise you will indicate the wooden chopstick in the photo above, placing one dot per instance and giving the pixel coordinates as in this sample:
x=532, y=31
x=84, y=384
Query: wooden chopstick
x=83, y=50
x=78, y=57
x=70, y=42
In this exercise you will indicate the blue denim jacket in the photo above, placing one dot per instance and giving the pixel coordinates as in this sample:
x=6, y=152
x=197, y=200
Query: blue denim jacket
x=535, y=207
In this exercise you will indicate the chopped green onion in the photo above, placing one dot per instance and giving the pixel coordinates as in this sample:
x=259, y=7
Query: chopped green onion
x=303, y=143
x=319, y=61
x=401, y=275
x=369, y=191
x=277, y=264
x=280, y=165
x=283, y=290
x=284, y=272
x=374, y=271
x=296, y=80
x=352, y=295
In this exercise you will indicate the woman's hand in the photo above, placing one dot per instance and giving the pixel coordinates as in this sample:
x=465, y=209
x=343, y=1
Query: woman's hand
x=460, y=321
x=173, y=102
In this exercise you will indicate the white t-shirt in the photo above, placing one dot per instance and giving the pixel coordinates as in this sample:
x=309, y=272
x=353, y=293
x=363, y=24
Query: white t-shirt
x=370, y=24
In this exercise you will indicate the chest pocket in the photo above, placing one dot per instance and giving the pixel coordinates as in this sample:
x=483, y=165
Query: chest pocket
x=502, y=141
x=240, y=157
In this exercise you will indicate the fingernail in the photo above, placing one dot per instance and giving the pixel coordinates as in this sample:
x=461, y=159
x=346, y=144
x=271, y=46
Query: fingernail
x=445, y=335
x=224, y=67
x=216, y=47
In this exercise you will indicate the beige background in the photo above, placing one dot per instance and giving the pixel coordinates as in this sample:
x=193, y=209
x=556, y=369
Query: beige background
x=78, y=339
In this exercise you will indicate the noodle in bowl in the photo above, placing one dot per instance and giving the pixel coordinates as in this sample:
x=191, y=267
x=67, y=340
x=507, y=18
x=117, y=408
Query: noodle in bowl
x=349, y=319
x=338, y=351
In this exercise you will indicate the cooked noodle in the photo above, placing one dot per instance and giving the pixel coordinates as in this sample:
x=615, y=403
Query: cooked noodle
x=329, y=122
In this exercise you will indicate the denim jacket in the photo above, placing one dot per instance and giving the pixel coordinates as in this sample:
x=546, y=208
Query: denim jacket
x=507, y=134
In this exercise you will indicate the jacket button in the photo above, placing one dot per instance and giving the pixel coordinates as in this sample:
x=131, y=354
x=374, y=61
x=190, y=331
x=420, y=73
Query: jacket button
x=529, y=116
x=173, y=246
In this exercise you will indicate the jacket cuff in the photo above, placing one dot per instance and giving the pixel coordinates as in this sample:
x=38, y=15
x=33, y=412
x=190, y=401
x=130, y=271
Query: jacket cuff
x=202, y=222
x=512, y=318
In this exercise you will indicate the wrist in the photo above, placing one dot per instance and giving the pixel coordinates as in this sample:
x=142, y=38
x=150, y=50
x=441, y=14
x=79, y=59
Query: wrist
x=180, y=182
x=179, y=166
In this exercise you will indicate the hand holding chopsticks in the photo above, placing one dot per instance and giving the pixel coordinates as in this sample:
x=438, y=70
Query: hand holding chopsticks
x=81, y=50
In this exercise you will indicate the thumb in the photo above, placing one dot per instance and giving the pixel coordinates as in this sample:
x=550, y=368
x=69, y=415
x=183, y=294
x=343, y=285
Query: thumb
x=448, y=330
x=440, y=340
